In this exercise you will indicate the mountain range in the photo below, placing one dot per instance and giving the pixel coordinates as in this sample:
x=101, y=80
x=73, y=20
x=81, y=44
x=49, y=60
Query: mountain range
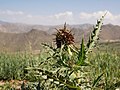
x=21, y=37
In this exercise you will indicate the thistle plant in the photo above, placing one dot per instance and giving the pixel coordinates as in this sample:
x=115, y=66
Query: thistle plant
x=94, y=35
x=68, y=61
x=64, y=37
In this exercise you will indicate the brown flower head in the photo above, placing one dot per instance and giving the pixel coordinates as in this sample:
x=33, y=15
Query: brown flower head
x=64, y=37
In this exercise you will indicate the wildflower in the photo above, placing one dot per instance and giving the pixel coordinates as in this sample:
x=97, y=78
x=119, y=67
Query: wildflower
x=64, y=37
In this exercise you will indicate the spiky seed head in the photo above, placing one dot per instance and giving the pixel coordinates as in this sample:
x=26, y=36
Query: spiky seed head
x=64, y=37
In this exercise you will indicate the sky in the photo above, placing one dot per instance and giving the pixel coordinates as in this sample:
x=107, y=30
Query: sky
x=54, y=12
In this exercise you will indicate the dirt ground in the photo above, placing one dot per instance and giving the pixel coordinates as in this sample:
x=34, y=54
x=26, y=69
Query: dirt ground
x=12, y=83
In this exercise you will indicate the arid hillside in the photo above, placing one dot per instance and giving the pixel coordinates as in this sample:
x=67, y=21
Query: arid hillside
x=21, y=37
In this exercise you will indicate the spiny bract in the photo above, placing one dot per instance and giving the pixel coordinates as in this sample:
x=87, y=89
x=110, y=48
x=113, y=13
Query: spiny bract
x=64, y=37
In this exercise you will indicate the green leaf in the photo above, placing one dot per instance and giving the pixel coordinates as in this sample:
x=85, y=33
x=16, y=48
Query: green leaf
x=97, y=80
x=94, y=35
x=57, y=78
x=46, y=45
x=81, y=55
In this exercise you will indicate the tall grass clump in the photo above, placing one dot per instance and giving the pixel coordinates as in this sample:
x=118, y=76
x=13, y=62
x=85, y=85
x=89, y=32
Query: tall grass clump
x=12, y=65
x=68, y=67
x=109, y=64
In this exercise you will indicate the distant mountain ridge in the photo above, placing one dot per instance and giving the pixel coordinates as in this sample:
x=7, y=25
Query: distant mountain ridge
x=19, y=37
x=22, y=28
x=19, y=27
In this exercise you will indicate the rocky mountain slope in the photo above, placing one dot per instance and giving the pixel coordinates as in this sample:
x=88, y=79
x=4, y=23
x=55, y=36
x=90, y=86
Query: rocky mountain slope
x=20, y=37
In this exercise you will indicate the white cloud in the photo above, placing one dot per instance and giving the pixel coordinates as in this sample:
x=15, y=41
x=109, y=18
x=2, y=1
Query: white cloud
x=9, y=12
x=59, y=18
x=63, y=15
x=29, y=16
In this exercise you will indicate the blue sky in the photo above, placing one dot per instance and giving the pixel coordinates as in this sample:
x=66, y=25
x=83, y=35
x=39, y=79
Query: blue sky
x=50, y=12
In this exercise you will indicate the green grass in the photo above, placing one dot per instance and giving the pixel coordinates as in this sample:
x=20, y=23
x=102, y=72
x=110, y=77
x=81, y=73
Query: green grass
x=12, y=66
x=110, y=46
x=109, y=64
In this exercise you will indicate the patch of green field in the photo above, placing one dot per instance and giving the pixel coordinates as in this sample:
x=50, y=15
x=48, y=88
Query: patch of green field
x=105, y=60
x=110, y=47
